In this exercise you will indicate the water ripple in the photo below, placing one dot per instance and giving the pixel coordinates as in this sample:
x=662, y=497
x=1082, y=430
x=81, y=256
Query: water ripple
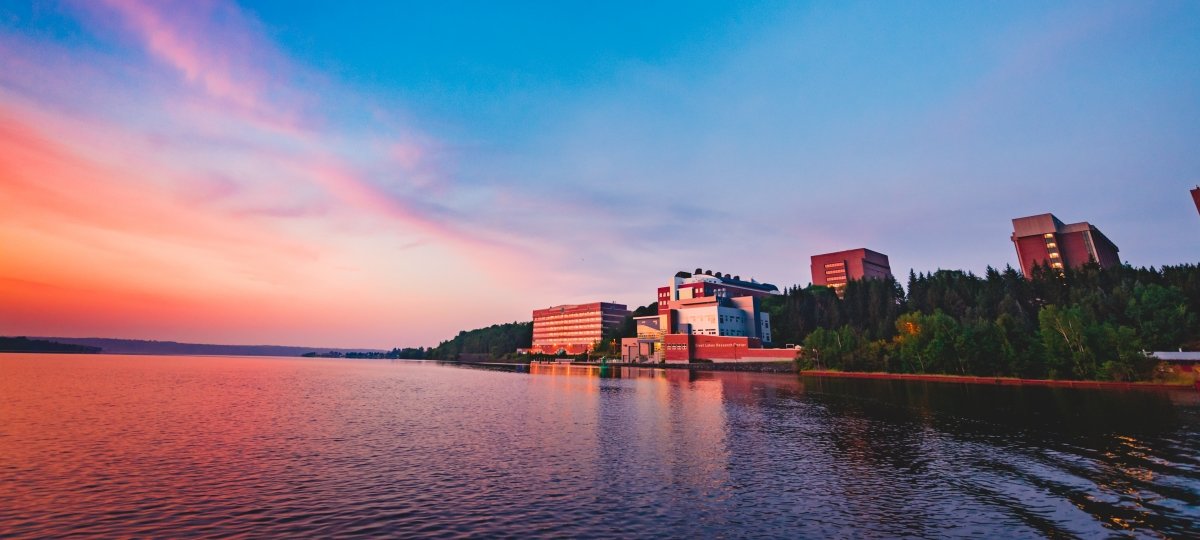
x=111, y=446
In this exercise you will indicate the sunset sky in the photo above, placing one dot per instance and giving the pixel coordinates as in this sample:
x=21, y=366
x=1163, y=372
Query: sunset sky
x=379, y=175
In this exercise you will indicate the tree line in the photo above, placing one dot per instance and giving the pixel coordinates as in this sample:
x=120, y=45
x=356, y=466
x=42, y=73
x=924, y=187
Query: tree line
x=1086, y=323
x=415, y=353
x=24, y=344
x=495, y=341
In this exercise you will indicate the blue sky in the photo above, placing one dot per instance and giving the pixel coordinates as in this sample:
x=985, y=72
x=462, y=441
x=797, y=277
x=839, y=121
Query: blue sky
x=918, y=129
x=521, y=155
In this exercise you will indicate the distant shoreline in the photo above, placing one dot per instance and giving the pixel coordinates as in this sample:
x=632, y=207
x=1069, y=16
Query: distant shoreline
x=26, y=345
x=175, y=348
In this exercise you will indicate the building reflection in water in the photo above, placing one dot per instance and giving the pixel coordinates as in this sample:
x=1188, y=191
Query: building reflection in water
x=883, y=451
x=665, y=428
x=559, y=450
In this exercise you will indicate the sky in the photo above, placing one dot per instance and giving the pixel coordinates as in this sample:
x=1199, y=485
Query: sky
x=385, y=174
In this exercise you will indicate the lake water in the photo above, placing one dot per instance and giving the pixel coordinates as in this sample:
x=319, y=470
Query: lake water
x=215, y=446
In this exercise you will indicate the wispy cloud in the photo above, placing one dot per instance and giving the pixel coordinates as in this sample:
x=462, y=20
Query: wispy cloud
x=210, y=168
x=222, y=53
x=180, y=154
x=215, y=48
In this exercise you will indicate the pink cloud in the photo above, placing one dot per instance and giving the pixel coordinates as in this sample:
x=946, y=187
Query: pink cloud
x=180, y=39
x=199, y=187
x=56, y=186
x=215, y=48
x=408, y=155
x=345, y=185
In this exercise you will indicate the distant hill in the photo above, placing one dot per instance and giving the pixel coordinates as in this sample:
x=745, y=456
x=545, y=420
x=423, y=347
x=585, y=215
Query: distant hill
x=23, y=344
x=138, y=346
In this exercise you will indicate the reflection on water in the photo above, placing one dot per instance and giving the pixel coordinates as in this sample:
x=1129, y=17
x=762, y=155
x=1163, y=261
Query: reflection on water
x=167, y=446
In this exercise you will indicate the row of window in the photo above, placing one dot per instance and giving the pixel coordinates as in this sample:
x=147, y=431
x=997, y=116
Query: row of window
x=555, y=335
x=567, y=324
x=575, y=323
x=577, y=332
x=552, y=320
x=1052, y=250
x=568, y=331
x=566, y=316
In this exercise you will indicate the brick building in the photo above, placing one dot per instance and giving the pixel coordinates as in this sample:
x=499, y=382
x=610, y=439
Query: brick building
x=836, y=269
x=1043, y=239
x=574, y=329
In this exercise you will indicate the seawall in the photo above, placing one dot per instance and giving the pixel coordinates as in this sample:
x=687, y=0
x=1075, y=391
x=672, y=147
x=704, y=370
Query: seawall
x=1004, y=381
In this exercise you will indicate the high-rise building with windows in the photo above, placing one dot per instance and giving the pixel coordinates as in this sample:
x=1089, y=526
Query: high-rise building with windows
x=834, y=270
x=1044, y=240
x=574, y=329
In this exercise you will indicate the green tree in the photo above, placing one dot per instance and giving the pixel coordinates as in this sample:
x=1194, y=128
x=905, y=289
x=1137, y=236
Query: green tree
x=1161, y=316
x=830, y=349
x=981, y=349
x=1066, y=353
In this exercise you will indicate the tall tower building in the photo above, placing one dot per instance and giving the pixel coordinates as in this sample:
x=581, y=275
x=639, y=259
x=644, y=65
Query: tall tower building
x=1043, y=239
x=834, y=270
